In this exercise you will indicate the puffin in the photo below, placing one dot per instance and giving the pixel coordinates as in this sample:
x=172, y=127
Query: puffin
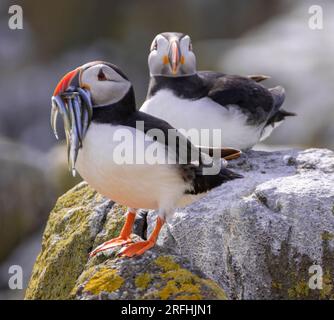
x=129, y=156
x=237, y=110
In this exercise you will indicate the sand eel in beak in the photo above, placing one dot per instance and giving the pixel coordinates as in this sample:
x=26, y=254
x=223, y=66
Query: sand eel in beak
x=243, y=110
x=97, y=103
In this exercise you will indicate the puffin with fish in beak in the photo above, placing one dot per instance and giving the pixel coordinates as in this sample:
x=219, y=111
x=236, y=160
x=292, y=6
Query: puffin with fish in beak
x=242, y=110
x=97, y=104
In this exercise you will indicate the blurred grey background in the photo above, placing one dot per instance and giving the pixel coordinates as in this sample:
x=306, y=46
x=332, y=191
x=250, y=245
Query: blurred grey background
x=237, y=37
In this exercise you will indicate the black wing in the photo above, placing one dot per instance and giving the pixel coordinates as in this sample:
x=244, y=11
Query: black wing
x=185, y=151
x=258, y=102
x=192, y=173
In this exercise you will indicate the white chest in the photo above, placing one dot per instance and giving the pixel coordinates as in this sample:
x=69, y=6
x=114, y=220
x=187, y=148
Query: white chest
x=207, y=122
x=110, y=163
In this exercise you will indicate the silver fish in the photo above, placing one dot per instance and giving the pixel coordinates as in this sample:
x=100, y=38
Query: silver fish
x=76, y=109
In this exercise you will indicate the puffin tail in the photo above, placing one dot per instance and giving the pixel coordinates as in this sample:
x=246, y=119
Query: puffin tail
x=203, y=183
x=278, y=114
x=224, y=152
x=278, y=94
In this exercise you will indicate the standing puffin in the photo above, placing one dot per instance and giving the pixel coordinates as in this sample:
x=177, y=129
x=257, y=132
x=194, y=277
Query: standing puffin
x=97, y=103
x=243, y=110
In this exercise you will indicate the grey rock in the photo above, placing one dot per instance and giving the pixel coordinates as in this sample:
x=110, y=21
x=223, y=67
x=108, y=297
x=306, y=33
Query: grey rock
x=81, y=220
x=158, y=274
x=257, y=237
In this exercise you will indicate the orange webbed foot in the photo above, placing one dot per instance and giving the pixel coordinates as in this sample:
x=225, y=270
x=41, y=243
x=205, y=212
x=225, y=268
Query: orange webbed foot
x=136, y=249
x=121, y=240
x=110, y=244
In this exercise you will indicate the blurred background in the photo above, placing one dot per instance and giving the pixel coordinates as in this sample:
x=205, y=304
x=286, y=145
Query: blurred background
x=236, y=37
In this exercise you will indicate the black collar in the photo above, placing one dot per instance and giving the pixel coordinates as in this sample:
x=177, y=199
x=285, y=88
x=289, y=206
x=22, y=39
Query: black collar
x=186, y=87
x=117, y=112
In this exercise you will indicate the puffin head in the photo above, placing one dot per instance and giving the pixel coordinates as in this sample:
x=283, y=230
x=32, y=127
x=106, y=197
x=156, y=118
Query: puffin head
x=106, y=83
x=91, y=86
x=171, y=55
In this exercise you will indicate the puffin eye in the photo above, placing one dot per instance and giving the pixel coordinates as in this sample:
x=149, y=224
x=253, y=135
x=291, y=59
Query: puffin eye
x=190, y=46
x=101, y=76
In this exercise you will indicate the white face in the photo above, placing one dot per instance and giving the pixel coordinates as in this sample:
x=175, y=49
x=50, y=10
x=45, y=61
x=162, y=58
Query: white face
x=172, y=57
x=105, y=84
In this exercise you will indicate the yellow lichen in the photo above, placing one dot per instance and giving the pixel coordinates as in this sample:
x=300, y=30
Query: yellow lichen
x=219, y=292
x=327, y=236
x=327, y=287
x=76, y=196
x=166, y=263
x=174, y=288
x=300, y=290
x=67, y=241
x=142, y=281
x=276, y=285
x=105, y=280
x=182, y=284
x=59, y=271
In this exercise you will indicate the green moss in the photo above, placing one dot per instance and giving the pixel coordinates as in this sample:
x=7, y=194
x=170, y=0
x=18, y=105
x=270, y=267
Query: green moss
x=142, y=281
x=105, y=280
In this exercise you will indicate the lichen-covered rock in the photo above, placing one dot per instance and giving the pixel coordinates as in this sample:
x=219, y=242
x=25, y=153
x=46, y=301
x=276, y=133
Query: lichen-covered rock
x=259, y=236
x=81, y=220
x=158, y=274
x=74, y=223
x=253, y=238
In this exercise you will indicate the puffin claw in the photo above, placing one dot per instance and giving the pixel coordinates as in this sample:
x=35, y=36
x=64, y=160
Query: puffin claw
x=109, y=245
x=136, y=249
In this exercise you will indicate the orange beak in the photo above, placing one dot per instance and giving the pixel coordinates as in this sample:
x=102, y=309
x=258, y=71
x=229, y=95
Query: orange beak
x=66, y=81
x=174, y=56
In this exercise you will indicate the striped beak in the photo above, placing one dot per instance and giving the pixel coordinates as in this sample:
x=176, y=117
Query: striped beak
x=75, y=106
x=174, y=56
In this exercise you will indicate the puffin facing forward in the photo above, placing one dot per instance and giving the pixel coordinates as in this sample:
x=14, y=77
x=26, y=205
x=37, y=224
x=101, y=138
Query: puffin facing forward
x=243, y=110
x=97, y=103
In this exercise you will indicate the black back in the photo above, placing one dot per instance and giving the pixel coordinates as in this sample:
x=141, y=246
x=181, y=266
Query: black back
x=252, y=98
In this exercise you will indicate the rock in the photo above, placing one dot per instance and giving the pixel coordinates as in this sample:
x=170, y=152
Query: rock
x=69, y=236
x=258, y=237
x=159, y=274
x=255, y=238
x=25, y=194
x=81, y=220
